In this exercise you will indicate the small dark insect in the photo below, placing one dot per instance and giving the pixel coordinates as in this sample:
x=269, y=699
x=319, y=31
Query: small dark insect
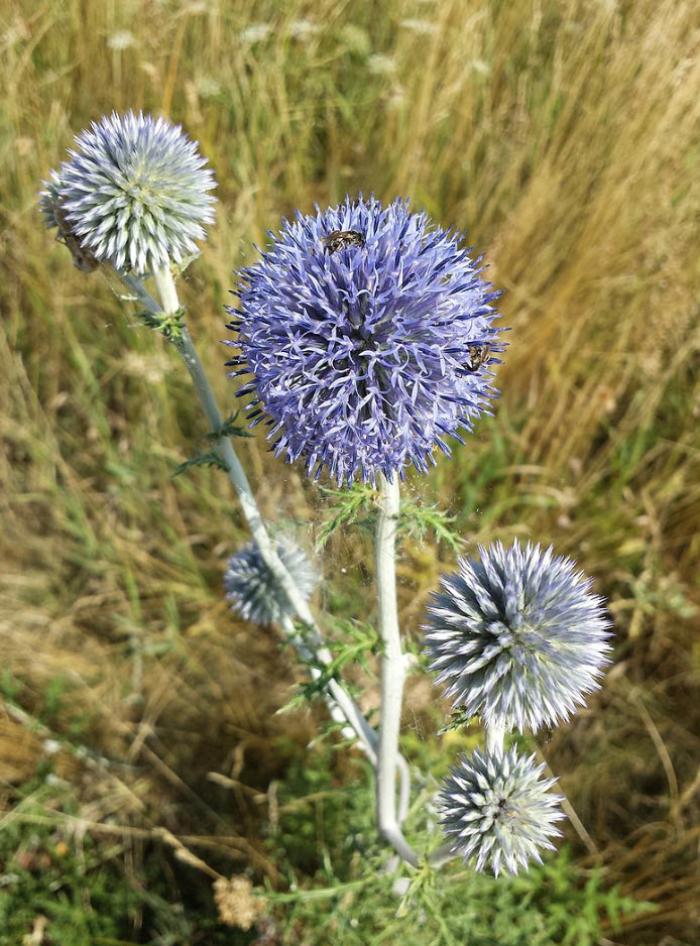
x=478, y=355
x=82, y=258
x=338, y=239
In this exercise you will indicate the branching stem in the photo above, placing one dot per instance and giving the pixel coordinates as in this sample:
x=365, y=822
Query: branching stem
x=340, y=700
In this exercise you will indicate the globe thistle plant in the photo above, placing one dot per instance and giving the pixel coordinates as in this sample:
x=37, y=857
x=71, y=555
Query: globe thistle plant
x=134, y=193
x=369, y=336
x=498, y=812
x=254, y=592
x=367, y=339
x=518, y=637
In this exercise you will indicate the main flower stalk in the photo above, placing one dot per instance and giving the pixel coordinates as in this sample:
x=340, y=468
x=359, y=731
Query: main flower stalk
x=392, y=669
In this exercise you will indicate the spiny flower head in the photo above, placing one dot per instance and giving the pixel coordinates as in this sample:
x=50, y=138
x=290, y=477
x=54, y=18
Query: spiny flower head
x=134, y=193
x=368, y=334
x=55, y=218
x=49, y=202
x=253, y=590
x=497, y=811
x=518, y=637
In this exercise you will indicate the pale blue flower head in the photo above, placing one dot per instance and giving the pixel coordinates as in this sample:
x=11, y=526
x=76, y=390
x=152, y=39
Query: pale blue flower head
x=49, y=202
x=518, y=637
x=253, y=591
x=134, y=193
x=498, y=812
x=368, y=334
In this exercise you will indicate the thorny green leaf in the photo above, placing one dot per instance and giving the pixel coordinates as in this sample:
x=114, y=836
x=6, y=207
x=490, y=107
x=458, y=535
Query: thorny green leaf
x=352, y=506
x=229, y=428
x=357, y=506
x=202, y=459
x=419, y=520
x=359, y=641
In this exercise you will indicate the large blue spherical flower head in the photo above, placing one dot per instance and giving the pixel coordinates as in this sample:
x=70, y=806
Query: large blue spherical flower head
x=518, y=637
x=134, y=193
x=369, y=336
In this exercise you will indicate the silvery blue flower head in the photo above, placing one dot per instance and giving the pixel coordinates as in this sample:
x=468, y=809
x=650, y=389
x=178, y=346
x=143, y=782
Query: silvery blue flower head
x=368, y=334
x=254, y=592
x=49, y=202
x=54, y=218
x=134, y=193
x=498, y=812
x=518, y=637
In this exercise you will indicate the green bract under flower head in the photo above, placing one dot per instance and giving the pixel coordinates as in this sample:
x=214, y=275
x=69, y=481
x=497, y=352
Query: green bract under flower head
x=134, y=193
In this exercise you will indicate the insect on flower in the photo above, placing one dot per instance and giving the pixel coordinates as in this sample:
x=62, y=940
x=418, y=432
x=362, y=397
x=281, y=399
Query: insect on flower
x=479, y=355
x=82, y=257
x=54, y=217
x=338, y=239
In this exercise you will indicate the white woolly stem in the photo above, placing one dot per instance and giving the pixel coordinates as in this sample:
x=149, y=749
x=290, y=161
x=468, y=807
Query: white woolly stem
x=495, y=735
x=165, y=284
x=392, y=669
x=366, y=735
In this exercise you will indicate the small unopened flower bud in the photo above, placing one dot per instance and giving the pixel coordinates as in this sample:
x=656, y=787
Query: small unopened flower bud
x=253, y=590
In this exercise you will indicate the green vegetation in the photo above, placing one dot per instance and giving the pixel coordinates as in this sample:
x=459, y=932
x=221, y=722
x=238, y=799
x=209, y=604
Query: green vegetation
x=61, y=886
x=86, y=891
x=140, y=727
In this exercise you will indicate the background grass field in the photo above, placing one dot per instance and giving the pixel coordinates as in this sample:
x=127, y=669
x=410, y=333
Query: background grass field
x=139, y=716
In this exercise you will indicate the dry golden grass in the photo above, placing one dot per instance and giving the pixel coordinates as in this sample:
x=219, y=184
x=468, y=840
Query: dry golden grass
x=565, y=137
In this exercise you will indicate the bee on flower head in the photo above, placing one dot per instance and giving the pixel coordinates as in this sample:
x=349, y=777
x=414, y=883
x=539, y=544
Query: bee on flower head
x=338, y=239
x=82, y=258
x=479, y=355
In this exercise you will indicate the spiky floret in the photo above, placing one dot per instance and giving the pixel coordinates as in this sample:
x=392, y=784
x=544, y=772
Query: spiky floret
x=49, y=202
x=135, y=192
x=368, y=334
x=252, y=589
x=518, y=637
x=498, y=812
